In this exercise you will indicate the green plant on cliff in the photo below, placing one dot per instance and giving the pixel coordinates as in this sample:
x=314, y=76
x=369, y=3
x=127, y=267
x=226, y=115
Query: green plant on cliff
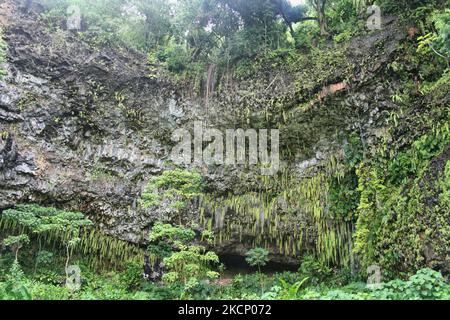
x=176, y=186
x=396, y=221
x=438, y=41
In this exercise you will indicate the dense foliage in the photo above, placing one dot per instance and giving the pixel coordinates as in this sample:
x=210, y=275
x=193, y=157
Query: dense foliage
x=17, y=285
x=177, y=187
x=184, y=261
x=188, y=37
x=189, y=274
x=387, y=205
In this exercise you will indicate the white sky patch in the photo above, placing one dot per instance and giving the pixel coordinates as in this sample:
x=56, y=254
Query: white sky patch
x=297, y=2
x=133, y=12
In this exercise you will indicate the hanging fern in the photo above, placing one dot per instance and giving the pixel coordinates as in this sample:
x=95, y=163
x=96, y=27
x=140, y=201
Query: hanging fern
x=57, y=227
x=305, y=201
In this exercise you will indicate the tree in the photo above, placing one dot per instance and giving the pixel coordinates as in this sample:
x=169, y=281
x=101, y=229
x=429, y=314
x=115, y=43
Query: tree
x=188, y=36
x=156, y=21
x=291, y=14
x=15, y=288
x=185, y=262
x=39, y=220
x=16, y=243
x=70, y=224
x=258, y=257
x=290, y=291
x=360, y=4
x=259, y=30
x=319, y=6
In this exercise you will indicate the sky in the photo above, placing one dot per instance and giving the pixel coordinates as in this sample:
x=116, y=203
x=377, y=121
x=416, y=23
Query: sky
x=297, y=2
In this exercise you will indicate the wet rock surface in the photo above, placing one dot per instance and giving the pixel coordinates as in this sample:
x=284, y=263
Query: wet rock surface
x=85, y=128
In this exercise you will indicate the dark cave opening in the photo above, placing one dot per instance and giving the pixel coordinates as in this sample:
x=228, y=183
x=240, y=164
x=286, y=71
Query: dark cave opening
x=236, y=264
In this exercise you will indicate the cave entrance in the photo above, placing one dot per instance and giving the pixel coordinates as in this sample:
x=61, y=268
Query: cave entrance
x=236, y=264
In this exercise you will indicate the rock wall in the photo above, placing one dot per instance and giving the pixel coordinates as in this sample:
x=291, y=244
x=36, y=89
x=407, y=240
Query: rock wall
x=84, y=128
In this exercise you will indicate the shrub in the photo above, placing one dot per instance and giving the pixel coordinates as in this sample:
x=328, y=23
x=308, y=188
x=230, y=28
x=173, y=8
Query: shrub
x=316, y=270
x=426, y=284
x=15, y=285
x=41, y=291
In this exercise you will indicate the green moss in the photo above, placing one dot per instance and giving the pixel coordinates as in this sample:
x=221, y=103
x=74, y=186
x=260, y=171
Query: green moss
x=401, y=224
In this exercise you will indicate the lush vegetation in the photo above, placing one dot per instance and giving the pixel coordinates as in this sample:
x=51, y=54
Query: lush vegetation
x=190, y=37
x=189, y=269
x=190, y=276
x=177, y=187
x=184, y=262
x=386, y=206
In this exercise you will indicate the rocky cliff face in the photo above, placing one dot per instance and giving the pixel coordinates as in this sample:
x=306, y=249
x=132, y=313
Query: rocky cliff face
x=84, y=128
